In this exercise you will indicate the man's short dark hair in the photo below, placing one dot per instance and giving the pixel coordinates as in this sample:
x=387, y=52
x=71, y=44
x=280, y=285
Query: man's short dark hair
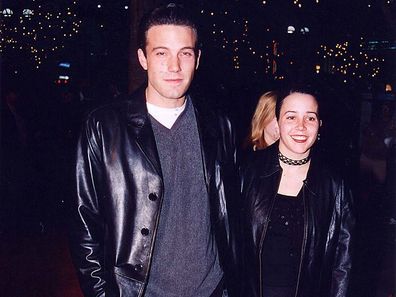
x=171, y=14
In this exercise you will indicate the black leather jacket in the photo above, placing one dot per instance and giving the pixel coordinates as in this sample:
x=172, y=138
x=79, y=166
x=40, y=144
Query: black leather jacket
x=325, y=263
x=120, y=191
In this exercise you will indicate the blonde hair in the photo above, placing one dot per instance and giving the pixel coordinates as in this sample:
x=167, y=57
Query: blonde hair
x=263, y=115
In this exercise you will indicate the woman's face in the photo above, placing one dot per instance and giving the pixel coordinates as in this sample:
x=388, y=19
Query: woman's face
x=298, y=125
x=271, y=132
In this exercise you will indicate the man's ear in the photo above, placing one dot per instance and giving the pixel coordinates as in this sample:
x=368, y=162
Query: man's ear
x=197, y=62
x=142, y=59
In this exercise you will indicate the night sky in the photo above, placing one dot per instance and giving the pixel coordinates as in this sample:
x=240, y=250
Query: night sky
x=238, y=37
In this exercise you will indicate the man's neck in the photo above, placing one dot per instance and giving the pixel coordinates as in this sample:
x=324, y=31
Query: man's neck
x=164, y=102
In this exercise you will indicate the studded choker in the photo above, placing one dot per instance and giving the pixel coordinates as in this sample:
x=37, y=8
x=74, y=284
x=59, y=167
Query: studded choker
x=289, y=161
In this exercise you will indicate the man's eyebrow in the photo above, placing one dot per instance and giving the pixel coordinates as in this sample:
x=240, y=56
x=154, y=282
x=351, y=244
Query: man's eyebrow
x=159, y=48
x=188, y=47
x=166, y=48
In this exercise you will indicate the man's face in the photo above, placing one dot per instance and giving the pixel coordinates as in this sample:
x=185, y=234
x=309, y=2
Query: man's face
x=170, y=62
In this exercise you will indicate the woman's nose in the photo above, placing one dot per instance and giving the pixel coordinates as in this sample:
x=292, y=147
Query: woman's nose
x=301, y=124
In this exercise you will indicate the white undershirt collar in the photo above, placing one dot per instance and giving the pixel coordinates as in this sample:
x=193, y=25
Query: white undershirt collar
x=166, y=116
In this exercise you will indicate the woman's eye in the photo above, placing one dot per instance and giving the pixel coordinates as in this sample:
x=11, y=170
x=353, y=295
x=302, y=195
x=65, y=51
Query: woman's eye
x=311, y=119
x=290, y=117
x=160, y=53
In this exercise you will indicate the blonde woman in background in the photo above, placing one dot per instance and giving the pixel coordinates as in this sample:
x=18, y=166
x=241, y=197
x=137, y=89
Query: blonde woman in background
x=264, y=129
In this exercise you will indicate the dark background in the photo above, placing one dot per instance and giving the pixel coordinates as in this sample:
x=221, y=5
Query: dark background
x=347, y=48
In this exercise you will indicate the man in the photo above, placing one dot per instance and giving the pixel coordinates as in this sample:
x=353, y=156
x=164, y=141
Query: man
x=156, y=181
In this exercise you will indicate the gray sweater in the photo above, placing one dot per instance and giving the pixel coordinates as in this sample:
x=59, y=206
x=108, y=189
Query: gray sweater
x=185, y=260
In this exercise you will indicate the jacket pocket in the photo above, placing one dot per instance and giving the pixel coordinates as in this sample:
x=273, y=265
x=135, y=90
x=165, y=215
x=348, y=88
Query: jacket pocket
x=122, y=284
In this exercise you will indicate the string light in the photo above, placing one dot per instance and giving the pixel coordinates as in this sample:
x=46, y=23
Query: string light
x=295, y=2
x=38, y=30
x=42, y=30
x=348, y=58
x=340, y=60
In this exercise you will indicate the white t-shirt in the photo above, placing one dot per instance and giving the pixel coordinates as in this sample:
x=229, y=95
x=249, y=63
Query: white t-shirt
x=166, y=116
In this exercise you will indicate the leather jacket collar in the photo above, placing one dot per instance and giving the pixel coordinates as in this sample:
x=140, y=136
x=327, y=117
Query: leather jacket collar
x=138, y=120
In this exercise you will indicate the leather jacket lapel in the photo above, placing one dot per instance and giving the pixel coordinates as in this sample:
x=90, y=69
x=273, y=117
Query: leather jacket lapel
x=139, y=123
x=208, y=139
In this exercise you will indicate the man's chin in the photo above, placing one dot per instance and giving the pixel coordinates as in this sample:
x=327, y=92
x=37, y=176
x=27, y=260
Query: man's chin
x=176, y=95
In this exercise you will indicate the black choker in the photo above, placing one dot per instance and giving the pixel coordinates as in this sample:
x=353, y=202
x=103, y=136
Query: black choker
x=288, y=161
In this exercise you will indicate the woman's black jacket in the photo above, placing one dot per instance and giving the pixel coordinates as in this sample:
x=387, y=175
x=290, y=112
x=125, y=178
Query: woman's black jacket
x=325, y=263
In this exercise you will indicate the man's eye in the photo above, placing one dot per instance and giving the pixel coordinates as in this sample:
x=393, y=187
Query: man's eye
x=290, y=117
x=187, y=54
x=311, y=119
x=160, y=53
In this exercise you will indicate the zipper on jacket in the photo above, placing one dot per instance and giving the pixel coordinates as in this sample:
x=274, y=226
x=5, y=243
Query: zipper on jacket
x=263, y=237
x=304, y=241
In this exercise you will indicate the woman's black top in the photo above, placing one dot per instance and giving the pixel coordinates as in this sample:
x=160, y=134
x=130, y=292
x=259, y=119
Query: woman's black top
x=282, y=244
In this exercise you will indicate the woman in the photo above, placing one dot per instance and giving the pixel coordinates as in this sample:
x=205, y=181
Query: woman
x=264, y=128
x=297, y=212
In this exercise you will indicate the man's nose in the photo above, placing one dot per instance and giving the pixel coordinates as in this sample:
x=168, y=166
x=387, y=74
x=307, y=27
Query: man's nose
x=174, y=64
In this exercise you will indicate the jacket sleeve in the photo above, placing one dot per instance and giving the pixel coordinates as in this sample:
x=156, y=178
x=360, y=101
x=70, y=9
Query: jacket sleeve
x=87, y=222
x=343, y=256
x=231, y=191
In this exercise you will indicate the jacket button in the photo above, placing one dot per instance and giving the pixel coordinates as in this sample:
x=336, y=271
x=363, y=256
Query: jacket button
x=139, y=123
x=138, y=267
x=145, y=231
x=153, y=196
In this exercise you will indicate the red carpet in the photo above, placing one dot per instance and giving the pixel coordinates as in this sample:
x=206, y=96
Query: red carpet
x=37, y=265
